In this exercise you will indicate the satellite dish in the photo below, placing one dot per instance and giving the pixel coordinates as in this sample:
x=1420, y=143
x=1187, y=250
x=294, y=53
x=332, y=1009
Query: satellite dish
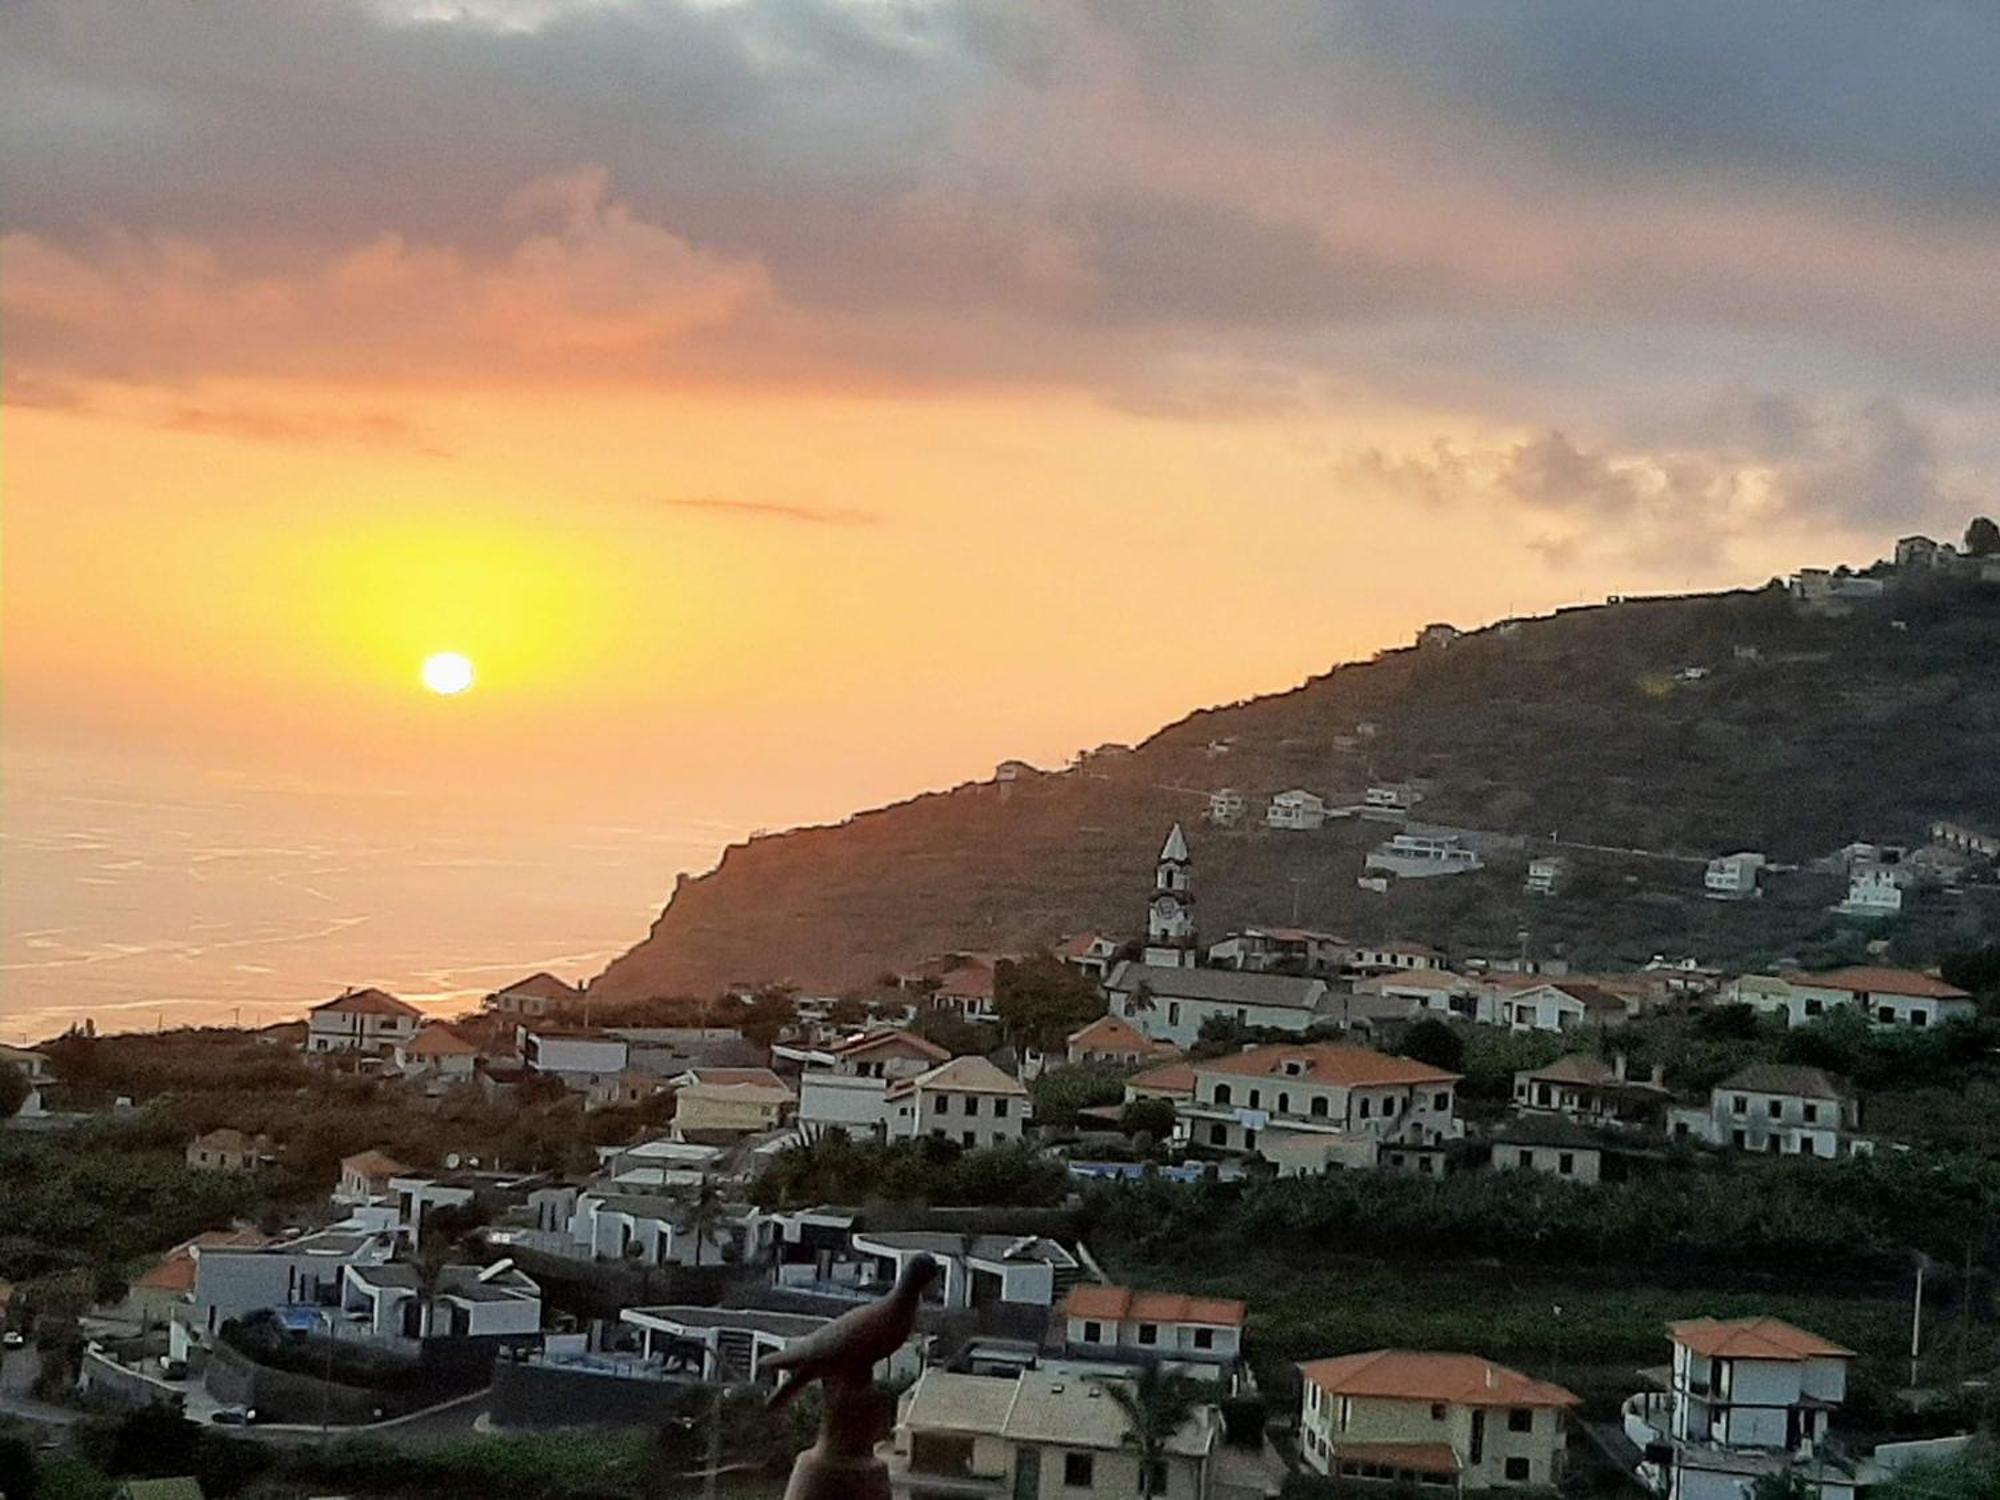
x=451, y=1161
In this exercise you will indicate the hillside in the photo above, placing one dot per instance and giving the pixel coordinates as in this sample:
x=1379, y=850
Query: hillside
x=1576, y=724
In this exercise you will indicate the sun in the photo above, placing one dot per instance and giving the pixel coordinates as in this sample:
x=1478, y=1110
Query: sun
x=447, y=672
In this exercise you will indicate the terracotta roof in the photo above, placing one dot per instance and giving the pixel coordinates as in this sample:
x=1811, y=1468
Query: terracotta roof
x=971, y=980
x=1576, y=1068
x=1117, y=1304
x=965, y=1075
x=1168, y=1078
x=1078, y=946
x=1864, y=979
x=175, y=1270
x=1460, y=1379
x=1424, y=1458
x=1324, y=1062
x=723, y=1078
x=370, y=1002
x=1753, y=1338
x=437, y=1040
x=1784, y=1078
x=1113, y=1034
x=226, y=1138
x=869, y=1041
x=542, y=986
x=372, y=1163
x=1422, y=979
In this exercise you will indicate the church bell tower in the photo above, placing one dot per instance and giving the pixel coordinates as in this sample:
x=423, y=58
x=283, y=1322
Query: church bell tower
x=1170, y=935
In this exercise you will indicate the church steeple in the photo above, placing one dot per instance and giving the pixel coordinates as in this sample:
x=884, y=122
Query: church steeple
x=1170, y=934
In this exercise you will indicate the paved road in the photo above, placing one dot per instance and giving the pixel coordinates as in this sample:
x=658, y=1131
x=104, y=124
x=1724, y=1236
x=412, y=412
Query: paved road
x=17, y=1379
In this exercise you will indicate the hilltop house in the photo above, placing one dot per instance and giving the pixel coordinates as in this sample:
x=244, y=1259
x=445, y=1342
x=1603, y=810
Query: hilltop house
x=579, y=1056
x=1591, y=1091
x=365, y=1177
x=647, y=1228
x=1746, y=1398
x=1309, y=1107
x=1040, y=1436
x=1419, y=856
x=967, y=1100
x=228, y=1150
x=1553, y=1144
x=852, y=1093
x=1112, y=1039
x=1391, y=798
x=361, y=1021
x=1448, y=1421
x=1297, y=809
x=440, y=1050
x=1876, y=890
x=535, y=998
x=729, y=1345
x=1778, y=1108
x=1170, y=1005
x=1546, y=874
x=1733, y=877
x=1888, y=997
x=1226, y=807
x=1201, y=1337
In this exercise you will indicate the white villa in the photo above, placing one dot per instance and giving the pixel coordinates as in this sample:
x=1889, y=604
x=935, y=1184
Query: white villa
x=1170, y=1005
x=1201, y=1337
x=1875, y=890
x=852, y=1094
x=361, y=1021
x=1888, y=997
x=1733, y=877
x=1296, y=809
x=1417, y=856
x=1780, y=1109
x=1227, y=807
x=967, y=1100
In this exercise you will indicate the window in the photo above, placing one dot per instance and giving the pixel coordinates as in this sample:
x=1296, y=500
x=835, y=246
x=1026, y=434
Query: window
x=1204, y=1338
x=1739, y=1105
x=1517, y=1470
x=1076, y=1471
x=1365, y=1107
x=940, y=1103
x=1256, y=1098
x=1149, y=1333
x=1886, y=1014
x=1173, y=1013
x=1346, y=1411
x=1811, y=1112
x=1284, y=1104
x=1521, y=1419
x=1815, y=1008
x=1158, y=1478
x=1776, y=1109
x=1920, y=1018
x=1218, y=1135
x=971, y=1138
x=972, y=1104
x=1566, y=1163
x=1222, y=1093
x=1441, y=1101
x=1319, y=1106
x=999, y=1109
x=1437, y=1411
x=1390, y=1105
x=1093, y=1333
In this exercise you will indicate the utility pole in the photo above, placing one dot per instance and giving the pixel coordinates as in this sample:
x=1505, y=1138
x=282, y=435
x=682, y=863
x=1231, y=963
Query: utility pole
x=1917, y=1318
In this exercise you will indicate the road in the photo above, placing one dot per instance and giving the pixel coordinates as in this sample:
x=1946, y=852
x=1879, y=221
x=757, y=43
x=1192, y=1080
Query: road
x=17, y=1380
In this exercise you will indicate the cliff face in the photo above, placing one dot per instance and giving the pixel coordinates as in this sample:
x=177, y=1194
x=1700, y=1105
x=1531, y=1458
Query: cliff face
x=1803, y=734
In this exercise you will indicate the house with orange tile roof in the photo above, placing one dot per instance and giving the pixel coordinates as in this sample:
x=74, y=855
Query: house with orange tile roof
x=1904, y=998
x=229, y=1150
x=1746, y=1397
x=967, y=1100
x=438, y=1049
x=715, y=1102
x=1173, y=1082
x=1089, y=953
x=1112, y=1039
x=156, y=1293
x=534, y=998
x=851, y=1095
x=1201, y=1337
x=369, y=1020
x=1319, y=1104
x=1448, y=1421
x=365, y=1176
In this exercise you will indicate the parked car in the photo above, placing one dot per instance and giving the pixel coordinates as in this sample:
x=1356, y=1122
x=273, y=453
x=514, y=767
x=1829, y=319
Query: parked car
x=13, y=1338
x=234, y=1416
x=173, y=1369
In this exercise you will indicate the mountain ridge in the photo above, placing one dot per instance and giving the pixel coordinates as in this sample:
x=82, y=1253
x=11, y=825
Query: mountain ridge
x=1795, y=733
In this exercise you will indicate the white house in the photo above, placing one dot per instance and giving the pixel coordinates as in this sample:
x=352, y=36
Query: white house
x=647, y=1228
x=1888, y=997
x=1170, y=1005
x=368, y=1020
x=1780, y=1109
x=1226, y=807
x=1380, y=958
x=231, y=1281
x=1390, y=797
x=1437, y=992
x=976, y=1270
x=1546, y=875
x=1201, y=1337
x=1450, y=1422
x=1112, y=1039
x=1594, y=1092
x=1733, y=877
x=728, y=1345
x=1039, y=1436
x=1417, y=856
x=1875, y=890
x=1287, y=950
x=1296, y=809
x=1746, y=1398
x=387, y=1300
x=967, y=1100
x=852, y=1094
x=1089, y=953
x=1562, y=1005
x=535, y=997
x=580, y=1058
x=439, y=1050
x=1347, y=1104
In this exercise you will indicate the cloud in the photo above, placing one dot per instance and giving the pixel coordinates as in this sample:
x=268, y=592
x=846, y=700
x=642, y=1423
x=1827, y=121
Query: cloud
x=585, y=288
x=1770, y=463
x=777, y=510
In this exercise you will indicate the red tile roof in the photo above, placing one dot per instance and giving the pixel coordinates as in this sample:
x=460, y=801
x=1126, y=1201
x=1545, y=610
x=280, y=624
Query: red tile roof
x=438, y=1040
x=1117, y=1304
x=1114, y=1034
x=373, y=1164
x=370, y=1002
x=1864, y=979
x=1349, y=1067
x=175, y=1271
x=1753, y=1338
x=1424, y=1458
x=1169, y=1078
x=542, y=986
x=868, y=1042
x=1459, y=1379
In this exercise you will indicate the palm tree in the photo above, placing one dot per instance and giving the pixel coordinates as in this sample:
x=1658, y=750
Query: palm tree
x=705, y=1211
x=1156, y=1406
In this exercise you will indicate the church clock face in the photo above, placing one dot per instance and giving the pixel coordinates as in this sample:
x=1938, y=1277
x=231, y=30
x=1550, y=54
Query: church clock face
x=1166, y=908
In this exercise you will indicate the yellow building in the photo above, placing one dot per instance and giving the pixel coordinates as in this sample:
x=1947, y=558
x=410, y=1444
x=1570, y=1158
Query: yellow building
x=1451, y=1422
x=730, y=1101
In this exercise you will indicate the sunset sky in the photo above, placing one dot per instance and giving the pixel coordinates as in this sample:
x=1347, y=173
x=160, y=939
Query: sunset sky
x=792, y=406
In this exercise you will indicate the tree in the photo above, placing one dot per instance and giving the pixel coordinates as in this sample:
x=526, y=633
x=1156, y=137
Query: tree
x=1982, y=537
x=705, y=1210
x=1782, y=1485
x=18, y=1478
x=1156, y=1406
x=1060, y=1092
x=768, y=1016
x=1041, y=1000
x=1153, y=1117
x=13, y=1090
x=1433, y=1041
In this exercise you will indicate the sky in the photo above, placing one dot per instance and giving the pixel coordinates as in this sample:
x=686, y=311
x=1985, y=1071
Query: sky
x=791, y=405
